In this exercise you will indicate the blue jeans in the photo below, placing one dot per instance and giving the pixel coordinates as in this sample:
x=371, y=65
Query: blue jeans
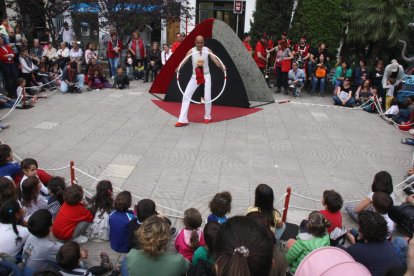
x=321, y=81
x=64, y=87
x=113, y=62
x=124, y=268
x=337, y=83
x=9, y=104
x=349, y=103
x=26, y=271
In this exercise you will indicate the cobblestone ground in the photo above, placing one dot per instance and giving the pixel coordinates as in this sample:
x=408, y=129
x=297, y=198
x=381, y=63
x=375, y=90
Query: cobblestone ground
x=122, y=136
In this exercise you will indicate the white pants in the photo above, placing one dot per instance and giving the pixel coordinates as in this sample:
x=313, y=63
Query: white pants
x=189, y=91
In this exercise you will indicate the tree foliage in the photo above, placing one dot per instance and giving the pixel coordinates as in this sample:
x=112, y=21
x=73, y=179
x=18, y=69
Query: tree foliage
x=319, y=21
x=271, y=16
x=375, y=26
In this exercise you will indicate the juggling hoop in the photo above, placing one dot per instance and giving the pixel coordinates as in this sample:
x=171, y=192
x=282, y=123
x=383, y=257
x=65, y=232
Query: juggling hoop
x=224, y=83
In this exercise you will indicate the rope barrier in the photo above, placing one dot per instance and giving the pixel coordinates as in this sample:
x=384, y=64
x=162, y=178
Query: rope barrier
x=55, y=169
x=335, y=106
x=17, y=102
x=44, y=84
x=118, y=189
x=320, y=200
x=281, y=198
x=302, y=208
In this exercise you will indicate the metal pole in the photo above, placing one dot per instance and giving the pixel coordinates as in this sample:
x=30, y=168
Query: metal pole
x=72, y=172
x=287, y=199
x=237, y=25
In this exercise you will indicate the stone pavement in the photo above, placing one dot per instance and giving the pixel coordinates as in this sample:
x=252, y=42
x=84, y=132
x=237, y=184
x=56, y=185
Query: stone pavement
x=122, y=136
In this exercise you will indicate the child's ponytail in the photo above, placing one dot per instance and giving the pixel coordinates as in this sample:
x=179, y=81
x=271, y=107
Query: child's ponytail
x=8, y=212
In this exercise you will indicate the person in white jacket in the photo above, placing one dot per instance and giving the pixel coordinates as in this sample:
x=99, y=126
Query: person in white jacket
x=28, y=68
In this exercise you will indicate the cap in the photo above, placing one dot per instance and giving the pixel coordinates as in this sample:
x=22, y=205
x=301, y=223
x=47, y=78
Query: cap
x=394, y=65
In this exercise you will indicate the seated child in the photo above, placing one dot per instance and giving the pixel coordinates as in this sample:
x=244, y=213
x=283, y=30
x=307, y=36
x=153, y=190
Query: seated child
x=404, y=113
x=73, y=217
x=119, y=221
x=56, y=187
x=144, y=209
x=55, y=74
x=315, y=238
x=29, y=168
x=191, y=237
x=70, y=256
x=121, y=79
x=139, y=71
x=390, y=92
x=7, y=190
x=371, y=107
x=32, y=199
x=27, y=100
x=43, y=75
x=393, y=110
x=332, y=201
x=129, y=66
x=220, y=205
x=39, y=249
x=102, y=205
x=382, y=204
x=96, y=82
x=7, y=166
x=206, y=252
x=13, y=236
x=382, y=183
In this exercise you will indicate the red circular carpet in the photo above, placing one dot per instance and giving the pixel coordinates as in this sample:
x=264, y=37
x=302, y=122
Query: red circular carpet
x=196, y=112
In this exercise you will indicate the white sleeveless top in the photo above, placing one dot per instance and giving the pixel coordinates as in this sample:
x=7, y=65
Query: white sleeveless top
x=204, y=54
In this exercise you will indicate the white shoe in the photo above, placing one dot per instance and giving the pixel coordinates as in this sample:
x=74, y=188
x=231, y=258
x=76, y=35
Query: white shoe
x=80, y=239
x=113, y=77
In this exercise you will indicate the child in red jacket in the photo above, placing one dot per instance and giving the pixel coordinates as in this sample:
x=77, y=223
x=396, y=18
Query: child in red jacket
x=73, y=218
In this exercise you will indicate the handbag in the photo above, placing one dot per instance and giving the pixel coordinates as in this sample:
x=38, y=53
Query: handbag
x=286, y=65
x=320, y=72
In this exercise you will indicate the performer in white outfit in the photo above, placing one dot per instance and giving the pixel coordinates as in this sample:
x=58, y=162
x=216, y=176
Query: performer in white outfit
x=192, y=84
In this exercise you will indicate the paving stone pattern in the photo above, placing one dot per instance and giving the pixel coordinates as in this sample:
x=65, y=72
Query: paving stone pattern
x=122, y=136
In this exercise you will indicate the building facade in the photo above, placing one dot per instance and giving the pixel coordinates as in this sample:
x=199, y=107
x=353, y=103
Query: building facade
x=203, y=9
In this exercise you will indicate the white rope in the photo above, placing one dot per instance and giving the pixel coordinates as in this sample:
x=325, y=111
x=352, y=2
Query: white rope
x=133, y=195
x=319, y=200
x=18, y=100
x=55, y=169
x=408, y=178
x=44, y=84
x=335, y=106
x=382, y=114
x=281, y=198
x=302, y=208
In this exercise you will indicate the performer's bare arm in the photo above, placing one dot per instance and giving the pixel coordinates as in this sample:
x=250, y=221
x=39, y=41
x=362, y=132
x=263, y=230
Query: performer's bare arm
x=216, y=61
x=188, y=53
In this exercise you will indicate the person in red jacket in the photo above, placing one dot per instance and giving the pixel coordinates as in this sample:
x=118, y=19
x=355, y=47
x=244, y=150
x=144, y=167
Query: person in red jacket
x=73, y=218
x=246, y=42
x=175, y=45
x=8, y=69
x=260, y=54
x=113, y=52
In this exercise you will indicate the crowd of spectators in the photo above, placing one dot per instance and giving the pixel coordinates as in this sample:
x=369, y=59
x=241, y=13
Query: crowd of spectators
x=44, y=223
x=45, y=63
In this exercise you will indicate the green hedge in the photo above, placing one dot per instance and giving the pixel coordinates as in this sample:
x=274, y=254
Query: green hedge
x=320, y=21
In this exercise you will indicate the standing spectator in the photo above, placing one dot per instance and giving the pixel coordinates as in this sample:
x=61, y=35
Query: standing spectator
x=376, y=253
x=5, y=29
x=50, y=52
x=376, y=78
x=343, y=70
x=260, y=54
x=154, y=62
x=76, y=55
x=72, y=81
x=319, y=75
x=246, y=42
x=137, y=48
x=89, y=55
x=8, y=69
x=344, y=95
x=393, y=75
x=68, y=34
x=63, y=55
x=282, y=55
x=113, y=52
x=165, y=54
x=301, y=51
x=45, y=37
x=36, y=52
x=286, y=39
x=296, y=79
x=20, y=37
x=179, y=39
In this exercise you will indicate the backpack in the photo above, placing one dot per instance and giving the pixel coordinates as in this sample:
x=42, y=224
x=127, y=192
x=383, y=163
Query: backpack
x=99, y=228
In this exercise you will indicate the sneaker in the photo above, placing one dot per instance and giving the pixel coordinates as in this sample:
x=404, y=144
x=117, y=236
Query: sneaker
x=78, y=90
x=4, y=126
x=89, y=89
x=80, y=239
x=292, y=86
x=113, y=77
